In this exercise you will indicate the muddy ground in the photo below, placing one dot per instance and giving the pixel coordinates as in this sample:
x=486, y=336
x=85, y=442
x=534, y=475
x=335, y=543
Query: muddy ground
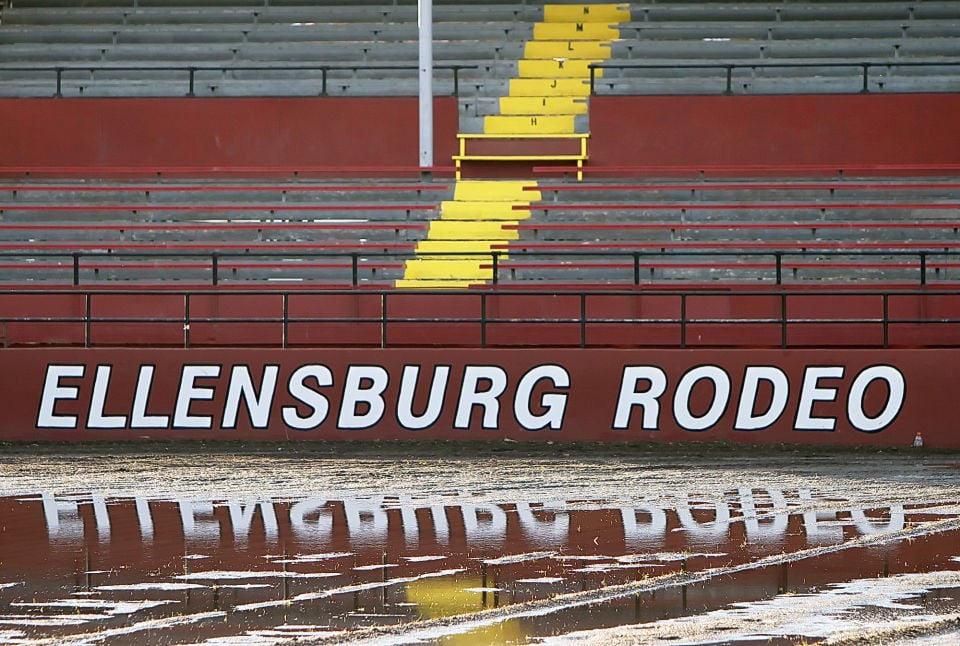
x=912, y=598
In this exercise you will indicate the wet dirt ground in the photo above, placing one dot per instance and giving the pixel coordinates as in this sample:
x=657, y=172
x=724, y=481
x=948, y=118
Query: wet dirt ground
x=444, y=543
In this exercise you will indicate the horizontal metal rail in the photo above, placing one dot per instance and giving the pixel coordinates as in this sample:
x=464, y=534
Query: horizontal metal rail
x=220, y=265
x=762, y=311
x=190, y=72
x=727, y=69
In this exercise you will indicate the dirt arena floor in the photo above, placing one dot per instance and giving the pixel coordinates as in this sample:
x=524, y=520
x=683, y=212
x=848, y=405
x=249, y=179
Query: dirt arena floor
x=452, y=543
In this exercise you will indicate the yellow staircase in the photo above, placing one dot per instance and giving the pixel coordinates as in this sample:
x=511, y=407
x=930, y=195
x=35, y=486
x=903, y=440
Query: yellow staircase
x=537, y=121
x=553, y=80
x=457, y=250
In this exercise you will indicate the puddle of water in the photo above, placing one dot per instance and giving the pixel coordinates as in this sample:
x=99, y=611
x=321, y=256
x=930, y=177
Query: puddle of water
x=193, y=570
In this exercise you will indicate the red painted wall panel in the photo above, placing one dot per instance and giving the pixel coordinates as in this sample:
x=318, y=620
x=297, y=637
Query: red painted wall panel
x=775, y=130
x=221, y=132
x=625, y=130
x=811, y=396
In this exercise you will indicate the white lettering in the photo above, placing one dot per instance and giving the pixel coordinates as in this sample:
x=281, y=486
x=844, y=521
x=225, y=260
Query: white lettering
x=355, y=393
x=895, y=385
x=139, y=417
x=53, y=391
x=241, y=386
x=96, y=418
x=554, y=403
x=811, y=393
x=308, y=396
x=629, y=397
x=746, y=420
x=681, y=399
x=408, y=387
x=189, y=392
x=470, y=396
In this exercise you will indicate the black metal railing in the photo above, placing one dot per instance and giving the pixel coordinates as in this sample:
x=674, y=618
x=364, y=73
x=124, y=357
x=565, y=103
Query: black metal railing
x=190, y=72
x=726, y=70
x=787, y=319
x=357, y=268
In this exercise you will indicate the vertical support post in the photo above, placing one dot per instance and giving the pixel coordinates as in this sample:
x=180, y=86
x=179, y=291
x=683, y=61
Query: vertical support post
x=886, y=320
x=783, y=319
x=59, y=92
x=286, y=319
x=483, y=319
x=86, y=319
x=923, y=268
x=193, y=72
x=495, y=256
x=76, y=268
x=425, y=23
x=383, y=320
x=779, y=259
x=583, y=320
x=186, y=320
x=866, y=75
x=354, y=269
x=683, y=320
x=215, y=267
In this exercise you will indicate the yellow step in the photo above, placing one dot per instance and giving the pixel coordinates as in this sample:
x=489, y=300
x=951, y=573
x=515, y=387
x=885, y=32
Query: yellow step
x=469, y=230
x=542, y=125
x=436, y=284
x=606, y=13
x=453, y=269
x=479, y=249
x=594, y=49
x=517, y=105
x=486, y=190
x=476, y=210
x=574, y=31
x=557, y=68
x=549, y=87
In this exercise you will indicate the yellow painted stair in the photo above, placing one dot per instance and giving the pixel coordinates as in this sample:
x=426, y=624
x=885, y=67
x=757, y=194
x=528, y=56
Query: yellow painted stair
x=456, y=252
x=553, y=77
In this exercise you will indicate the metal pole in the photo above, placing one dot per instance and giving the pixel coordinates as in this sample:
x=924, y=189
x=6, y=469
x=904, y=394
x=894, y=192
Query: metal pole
x=425, y=22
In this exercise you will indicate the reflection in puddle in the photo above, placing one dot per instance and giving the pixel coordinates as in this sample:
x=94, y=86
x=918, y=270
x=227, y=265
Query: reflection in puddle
x=275, y=571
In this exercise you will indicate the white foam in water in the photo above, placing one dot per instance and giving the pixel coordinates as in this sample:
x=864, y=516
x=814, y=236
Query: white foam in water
x=110, y=607
x=307, y=558
x=139, y=587
x=364, y=568
x=10, y=585
x=823, y=615
x=543, y=579
x=420, y=559
x=519, y=558
x=50, y=621
x=665, y=557
x=227, y=575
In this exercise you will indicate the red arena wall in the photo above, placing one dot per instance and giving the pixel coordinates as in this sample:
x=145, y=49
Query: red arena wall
x=242, y=132
x=625, y=130
x=774, y=130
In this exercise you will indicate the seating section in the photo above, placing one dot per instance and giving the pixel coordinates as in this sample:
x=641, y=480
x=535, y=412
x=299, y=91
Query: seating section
x=521, y=69
x=127, y=48
x=391, y=232
x=212, y=230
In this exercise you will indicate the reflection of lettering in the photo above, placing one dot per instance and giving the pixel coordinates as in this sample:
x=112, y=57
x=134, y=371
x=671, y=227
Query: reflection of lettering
x=764, y=515
x=765, y=530
x=642, y=524
x=484, y=524
x=551, y=532
x=241, y=519
x=198, y=521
